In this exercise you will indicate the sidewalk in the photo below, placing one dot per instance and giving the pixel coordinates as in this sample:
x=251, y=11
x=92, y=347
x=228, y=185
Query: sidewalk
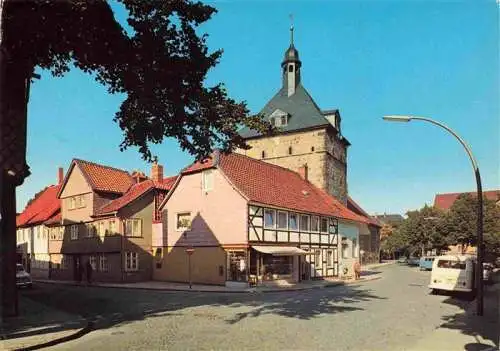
x=366, y=275
x=39, y=326
x=466, y=330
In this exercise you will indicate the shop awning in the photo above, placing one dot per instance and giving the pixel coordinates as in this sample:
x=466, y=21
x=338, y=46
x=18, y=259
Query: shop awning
x=281, y=250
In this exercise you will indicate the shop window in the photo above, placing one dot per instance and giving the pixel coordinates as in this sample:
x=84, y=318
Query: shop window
x=237, y=266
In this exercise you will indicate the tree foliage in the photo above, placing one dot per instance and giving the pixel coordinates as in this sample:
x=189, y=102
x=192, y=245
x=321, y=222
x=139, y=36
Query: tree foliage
x=461, y=223
x=161, y=66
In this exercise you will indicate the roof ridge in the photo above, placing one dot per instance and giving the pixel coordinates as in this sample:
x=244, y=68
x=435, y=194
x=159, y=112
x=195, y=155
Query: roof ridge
x=101, y=165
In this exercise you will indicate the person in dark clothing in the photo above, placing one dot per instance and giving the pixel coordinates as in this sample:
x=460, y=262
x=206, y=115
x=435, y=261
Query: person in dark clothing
x=88, y=270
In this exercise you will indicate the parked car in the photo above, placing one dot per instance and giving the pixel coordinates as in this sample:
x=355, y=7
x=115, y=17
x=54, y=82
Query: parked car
x=413, y=261
x=487, y=273
x=23, y=278
x=425, y=263
x=402, y=259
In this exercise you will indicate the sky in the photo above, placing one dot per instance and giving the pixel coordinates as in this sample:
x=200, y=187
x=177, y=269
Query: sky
x=438, y=59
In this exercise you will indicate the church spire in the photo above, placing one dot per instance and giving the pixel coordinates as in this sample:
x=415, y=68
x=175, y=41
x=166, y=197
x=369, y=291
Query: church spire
x=291, y=65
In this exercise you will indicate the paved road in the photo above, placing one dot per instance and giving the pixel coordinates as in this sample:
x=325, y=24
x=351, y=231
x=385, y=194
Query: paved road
x=392, y=313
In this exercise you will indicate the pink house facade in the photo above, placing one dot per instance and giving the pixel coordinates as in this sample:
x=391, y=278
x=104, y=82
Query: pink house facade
x=234, y=220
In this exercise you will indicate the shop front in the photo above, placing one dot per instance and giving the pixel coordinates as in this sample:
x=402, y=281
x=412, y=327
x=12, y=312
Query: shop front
x=272, y=264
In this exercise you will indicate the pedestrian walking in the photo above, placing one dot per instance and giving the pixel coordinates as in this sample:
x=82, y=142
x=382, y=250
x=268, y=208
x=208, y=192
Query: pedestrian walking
x=88, y=269
x=357, y=270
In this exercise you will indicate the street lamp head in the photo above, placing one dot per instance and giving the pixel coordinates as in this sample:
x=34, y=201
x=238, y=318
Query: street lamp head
x=397, y=118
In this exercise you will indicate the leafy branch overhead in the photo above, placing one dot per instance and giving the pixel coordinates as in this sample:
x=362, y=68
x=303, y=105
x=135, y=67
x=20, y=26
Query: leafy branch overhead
x=160, y=67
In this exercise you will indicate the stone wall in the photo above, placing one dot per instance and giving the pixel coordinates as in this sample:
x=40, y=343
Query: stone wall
x=324, y=154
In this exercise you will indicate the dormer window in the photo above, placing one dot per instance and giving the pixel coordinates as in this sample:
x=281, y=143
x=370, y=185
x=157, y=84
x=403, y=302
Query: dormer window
x=279, y=118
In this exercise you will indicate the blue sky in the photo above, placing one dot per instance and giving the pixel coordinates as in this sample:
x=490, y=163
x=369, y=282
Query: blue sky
x=437, y=59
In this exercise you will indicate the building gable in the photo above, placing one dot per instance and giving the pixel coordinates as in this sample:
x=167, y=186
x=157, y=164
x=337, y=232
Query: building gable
x=75, y=183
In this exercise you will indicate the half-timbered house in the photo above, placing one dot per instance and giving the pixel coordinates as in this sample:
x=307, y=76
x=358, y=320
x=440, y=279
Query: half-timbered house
x=234, y=219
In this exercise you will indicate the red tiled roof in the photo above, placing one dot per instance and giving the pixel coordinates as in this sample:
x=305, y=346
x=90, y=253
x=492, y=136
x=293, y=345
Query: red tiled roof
x=357, y=209
x=104, y=178
x=198, y=166
x=135, y=192
x=55, y=219
x=44, y=206
x=445, y=201
x=276, y=186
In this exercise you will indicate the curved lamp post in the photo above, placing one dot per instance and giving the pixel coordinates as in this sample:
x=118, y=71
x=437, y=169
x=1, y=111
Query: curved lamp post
x=479, y=270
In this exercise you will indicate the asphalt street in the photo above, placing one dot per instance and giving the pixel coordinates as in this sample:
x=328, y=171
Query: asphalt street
x=391, y=313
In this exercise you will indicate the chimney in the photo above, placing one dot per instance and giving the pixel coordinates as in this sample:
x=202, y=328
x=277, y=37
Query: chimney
x=157, y=172
x=303, y=172
x=60, y=175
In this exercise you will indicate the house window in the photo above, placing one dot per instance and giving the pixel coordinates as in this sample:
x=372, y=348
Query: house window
x=329, y=258
x=61, y=233
x=345, y=248
x=208, y=180
x=93, y=262
x=112, y=227
x=293, y=221
x=269, y=218
x=65, y=262
x=317, y=258
x=90, y=230
x=102, y=228
x=74, y=232
x=72, y=203
x=282, y=220
x=131, y=261
x=184, y=221
x=304, y=223
x=324, y=225
x=80, y=201
x=284, y=120
x=133, y=227
x=103, y=263
x=315, y=224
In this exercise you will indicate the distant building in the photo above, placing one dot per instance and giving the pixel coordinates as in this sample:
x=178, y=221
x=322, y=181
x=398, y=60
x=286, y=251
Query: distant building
x=394, y=220
x=370, y=242
x=445, y=201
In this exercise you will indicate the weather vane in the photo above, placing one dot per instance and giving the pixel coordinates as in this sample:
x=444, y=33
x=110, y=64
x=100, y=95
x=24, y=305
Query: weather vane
x=291, y=29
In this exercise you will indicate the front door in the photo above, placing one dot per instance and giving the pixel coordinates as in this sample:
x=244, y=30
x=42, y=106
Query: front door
x=77, y=268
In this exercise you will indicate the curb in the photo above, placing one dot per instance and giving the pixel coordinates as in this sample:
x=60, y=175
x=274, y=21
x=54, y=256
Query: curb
x=78, y=334
x=249, y=291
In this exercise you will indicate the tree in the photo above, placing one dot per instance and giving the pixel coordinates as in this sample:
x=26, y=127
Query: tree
x=160, y=67
x=423, y=230
x=461, y=224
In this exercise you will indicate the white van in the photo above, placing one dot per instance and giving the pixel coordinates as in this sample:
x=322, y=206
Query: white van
x=453, y=273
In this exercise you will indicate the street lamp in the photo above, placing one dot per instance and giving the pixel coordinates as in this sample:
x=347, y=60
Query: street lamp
x=479, y=270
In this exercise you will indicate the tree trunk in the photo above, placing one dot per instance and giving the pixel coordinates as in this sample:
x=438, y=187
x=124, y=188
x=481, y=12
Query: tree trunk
x=14, y=85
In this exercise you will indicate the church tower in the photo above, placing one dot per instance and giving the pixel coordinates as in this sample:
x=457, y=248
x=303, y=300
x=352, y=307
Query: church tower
x=309, y=140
